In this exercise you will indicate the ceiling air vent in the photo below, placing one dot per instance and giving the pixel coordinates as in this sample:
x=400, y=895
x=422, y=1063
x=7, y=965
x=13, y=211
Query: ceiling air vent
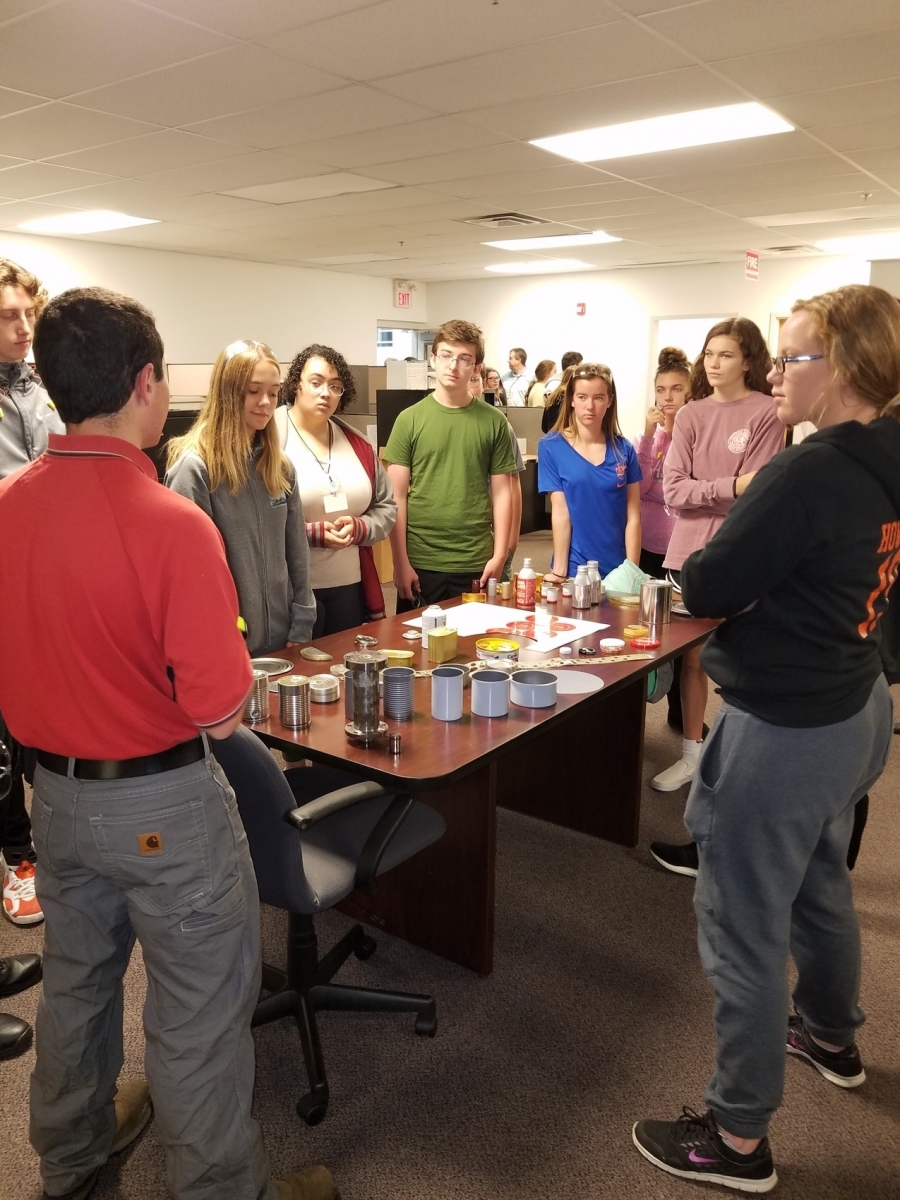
x=799, y=250
x=504, y=220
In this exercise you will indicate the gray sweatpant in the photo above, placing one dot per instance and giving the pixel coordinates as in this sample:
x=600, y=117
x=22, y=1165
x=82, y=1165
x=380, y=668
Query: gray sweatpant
x=771, y=810
x=164, y=859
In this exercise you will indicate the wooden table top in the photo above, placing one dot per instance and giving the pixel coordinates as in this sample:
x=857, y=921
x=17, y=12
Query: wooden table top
x=435, y=753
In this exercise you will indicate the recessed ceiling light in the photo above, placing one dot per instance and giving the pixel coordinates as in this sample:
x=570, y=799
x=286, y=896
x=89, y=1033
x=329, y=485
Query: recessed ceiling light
x=703, y=127
x=536, y=266
x=97, y=221
x=556, y=241
x=868, y=245
x=311, y=187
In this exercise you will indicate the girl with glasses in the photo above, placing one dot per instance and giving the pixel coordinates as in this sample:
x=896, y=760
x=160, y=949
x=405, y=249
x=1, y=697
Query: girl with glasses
x=231, y=465
x=347, y=497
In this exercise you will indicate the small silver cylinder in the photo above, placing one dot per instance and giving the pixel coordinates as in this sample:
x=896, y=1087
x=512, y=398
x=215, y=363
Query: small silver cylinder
x=656, y=604
x=293, y=701
x=257, y=705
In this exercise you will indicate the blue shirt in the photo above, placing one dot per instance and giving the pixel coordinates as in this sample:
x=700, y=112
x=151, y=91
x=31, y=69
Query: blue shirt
x=596, y=496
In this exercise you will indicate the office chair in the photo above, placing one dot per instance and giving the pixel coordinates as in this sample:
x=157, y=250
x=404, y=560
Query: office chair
x=315, y=835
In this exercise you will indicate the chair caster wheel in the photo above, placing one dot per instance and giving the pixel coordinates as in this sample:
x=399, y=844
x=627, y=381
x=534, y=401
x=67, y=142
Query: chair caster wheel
x=312, y=1108
x=365, y=948
x=426, y=1023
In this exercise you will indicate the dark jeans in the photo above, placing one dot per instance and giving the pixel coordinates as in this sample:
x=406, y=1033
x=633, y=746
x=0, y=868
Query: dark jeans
x=652, y=564
x=338, y=608
x=435, y=586
x=15, y=826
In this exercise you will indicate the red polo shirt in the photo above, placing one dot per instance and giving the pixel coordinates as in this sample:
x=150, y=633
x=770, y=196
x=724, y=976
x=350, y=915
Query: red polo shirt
x=118, y=614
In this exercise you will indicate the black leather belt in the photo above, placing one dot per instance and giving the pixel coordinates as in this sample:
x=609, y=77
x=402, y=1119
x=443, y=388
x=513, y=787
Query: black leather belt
x=181, y=755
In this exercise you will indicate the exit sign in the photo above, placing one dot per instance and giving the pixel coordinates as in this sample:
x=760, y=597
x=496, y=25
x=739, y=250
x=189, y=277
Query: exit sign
x=403, y=293
x=403, y=299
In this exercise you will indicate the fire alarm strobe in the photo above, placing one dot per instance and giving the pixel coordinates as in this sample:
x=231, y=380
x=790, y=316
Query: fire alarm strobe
x=580, y=309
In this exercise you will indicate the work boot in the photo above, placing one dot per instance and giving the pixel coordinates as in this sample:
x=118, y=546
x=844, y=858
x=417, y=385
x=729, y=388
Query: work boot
x=133, y=1111
x=15, y=1036
x=315, y=1183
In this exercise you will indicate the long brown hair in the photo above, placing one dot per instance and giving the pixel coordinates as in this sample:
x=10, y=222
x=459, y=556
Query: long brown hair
x=859, y=326
x=753, y=348
x=219, y=435
x=565, y=422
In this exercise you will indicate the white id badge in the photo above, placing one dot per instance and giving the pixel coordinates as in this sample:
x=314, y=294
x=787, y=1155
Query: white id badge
x=336, y=503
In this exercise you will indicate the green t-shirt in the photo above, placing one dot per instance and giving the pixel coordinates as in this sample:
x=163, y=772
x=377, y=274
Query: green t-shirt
x=450, y=453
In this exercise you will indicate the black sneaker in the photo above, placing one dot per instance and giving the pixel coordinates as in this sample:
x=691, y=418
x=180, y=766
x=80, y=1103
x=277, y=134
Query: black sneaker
x=843, y=1067
x=683, y=860
x=692, y=1148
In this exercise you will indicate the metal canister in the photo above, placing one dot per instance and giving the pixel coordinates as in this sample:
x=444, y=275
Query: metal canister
x=293, y=701
x=382, y=660
x=493, y=648
x=257, y=705
x=655, y=604
x=361, y=688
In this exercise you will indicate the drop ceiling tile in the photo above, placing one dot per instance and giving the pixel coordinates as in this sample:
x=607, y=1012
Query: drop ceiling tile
x=860, y=58
x=151, y=200
x=7, y=161
x=11, y=102
x=252, y=21
x=243, y=170
x=608, y=103
x=809, y=171
x=609, y=216
x=56, y=128
x=437, y=135
x=546, y=178
x=745, y=154
x=849, y=136
x=79, y=44
x=782, y=202
x=395, y=37
x=167, y=150
x=42, y=179
x=434, y=168
x=167, y=236
x=229, y=81
x=553, y=65
x=11, y=10
x=858, y=102
x=332, y=115
x=887, y=159
x=13, y=212
x=731, y=28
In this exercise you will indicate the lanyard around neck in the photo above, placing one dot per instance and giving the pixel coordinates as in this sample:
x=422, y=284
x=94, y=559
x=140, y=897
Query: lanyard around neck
x=325, y=467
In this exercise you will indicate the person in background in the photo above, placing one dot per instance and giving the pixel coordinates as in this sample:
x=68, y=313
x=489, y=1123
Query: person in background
x=802, y=570
x=450, y=461
x=126, y=616
x=592, y=474
x=516, y=379
x=571, y=358
x=493, y=383
x=476, y=390
x=728, y=431
x=346, y=495
x=553, y=401
x=27, y=417
x=542, y=373
x=230, y=463
x=670, y=391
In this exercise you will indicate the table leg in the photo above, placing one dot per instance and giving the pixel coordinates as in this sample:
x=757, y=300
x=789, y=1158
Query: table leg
x=442, y=899
x=585, y=772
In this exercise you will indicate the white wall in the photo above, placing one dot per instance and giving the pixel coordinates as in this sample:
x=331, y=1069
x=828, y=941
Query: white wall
x=539, y=313
x=202, y=303
x=886, y=274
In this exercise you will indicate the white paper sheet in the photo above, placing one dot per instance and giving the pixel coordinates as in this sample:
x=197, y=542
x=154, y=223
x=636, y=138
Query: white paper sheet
x=474, y=620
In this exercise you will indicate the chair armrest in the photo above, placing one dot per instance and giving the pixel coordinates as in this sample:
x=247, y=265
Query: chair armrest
x=313, y=811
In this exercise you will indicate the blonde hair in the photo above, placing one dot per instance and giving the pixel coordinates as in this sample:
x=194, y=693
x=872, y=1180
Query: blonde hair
x=565, y=422
x=12, y=275
x=219, y=435
x=859, y=326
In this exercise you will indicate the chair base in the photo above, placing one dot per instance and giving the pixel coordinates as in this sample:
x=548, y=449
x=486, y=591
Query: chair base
x=306, y=988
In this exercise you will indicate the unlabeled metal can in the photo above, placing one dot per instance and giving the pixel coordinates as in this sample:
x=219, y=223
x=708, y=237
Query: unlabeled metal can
x=493, y=648
x=293, y=701
x=257, y=705
x=506, y=590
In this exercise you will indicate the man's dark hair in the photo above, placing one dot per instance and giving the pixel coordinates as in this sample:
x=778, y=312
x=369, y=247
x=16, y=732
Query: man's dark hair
x=520, y=354
x=90, y=345
x=571, y=358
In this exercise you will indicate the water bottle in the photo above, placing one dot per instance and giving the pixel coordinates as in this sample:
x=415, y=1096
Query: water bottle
x=525, y=586
x=581, y=593
x=542, y=620
x=593, y=570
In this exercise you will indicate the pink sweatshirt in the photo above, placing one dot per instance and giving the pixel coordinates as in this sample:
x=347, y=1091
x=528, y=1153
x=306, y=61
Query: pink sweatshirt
x=713, y=443
x=657, y=522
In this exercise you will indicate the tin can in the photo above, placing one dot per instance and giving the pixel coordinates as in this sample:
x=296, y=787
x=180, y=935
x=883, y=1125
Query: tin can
x=506, y=590
x=493, y=648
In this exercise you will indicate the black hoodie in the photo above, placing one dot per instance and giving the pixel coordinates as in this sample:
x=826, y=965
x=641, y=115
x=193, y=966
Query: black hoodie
x=801, y=569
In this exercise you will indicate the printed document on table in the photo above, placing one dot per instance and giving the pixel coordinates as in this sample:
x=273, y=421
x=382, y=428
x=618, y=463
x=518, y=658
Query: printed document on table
x=474, y=620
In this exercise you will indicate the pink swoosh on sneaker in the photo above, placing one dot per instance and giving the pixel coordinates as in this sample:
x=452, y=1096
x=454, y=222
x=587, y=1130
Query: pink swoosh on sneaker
x=695, y=1158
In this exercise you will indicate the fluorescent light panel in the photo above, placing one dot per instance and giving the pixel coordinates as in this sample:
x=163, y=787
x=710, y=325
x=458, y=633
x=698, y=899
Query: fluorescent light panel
x=556, y=241
x=540, y=266
x=703, y=127
x=97, y=221
x=311, y=187
x=869, y=245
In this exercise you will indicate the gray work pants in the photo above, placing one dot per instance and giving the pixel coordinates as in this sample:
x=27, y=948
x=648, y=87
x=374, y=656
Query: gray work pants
x=189, y=896
x=771, y=810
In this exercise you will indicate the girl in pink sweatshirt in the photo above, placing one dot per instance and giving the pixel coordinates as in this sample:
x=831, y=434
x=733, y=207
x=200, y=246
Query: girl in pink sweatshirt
x=719, y=441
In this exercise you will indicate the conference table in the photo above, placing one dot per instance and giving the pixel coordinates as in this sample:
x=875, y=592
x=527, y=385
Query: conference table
x=577, y=764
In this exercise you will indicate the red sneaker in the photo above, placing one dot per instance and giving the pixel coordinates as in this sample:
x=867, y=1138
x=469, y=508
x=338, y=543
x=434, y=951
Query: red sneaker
x=20, y=904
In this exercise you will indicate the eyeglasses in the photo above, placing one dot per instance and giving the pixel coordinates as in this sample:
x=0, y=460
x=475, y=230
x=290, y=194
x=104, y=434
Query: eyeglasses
x=335, y=390
x=446, y=359
x=786, y=358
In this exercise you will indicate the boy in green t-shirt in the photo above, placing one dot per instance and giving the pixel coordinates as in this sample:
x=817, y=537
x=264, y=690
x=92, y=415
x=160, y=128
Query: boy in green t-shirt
x=450, y=461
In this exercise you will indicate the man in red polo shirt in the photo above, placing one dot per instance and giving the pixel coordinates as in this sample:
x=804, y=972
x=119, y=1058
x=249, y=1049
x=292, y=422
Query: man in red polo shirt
x=119, y=656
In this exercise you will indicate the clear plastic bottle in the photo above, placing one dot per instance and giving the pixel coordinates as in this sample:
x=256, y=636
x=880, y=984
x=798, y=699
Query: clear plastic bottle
x=593, y=570
x=525, y=586
x=581, y=593
x=542, y=619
